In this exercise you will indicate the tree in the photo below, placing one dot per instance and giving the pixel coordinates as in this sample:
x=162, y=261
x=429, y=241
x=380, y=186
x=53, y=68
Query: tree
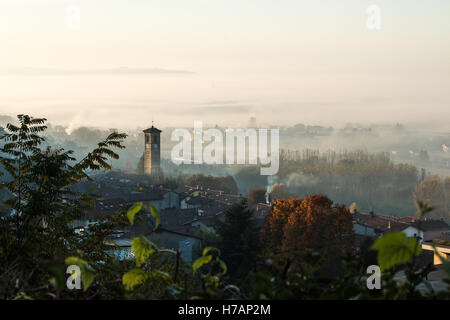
x=256, y=195
x=238, y=240
x=226, y=183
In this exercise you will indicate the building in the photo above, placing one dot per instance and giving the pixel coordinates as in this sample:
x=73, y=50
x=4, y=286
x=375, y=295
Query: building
x=375, y=225
x=442, y=250
x=152, y=153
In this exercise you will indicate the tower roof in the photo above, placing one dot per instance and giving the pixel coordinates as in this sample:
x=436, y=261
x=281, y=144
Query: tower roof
x=152, y=130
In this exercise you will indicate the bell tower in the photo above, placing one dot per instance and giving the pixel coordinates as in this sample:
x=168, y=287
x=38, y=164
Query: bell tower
x=152, y=153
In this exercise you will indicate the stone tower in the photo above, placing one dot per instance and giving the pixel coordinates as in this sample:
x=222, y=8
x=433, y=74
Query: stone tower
x=152, y=153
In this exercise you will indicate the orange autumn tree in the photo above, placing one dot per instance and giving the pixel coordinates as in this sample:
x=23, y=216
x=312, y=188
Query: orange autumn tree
x=314, y=223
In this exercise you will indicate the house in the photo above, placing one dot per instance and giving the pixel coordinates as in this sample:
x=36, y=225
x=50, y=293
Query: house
x=160, y=198
x=375, y=225
x=427, y=229
x=188, y=244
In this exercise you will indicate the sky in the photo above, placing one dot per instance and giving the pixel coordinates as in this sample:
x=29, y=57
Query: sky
x=283, y=62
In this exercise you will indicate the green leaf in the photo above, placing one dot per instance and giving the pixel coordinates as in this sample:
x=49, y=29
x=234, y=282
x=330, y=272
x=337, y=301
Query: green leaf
x=156, y=215
x=395, y=248
x=142, y=249
x=131, y=213
x=445, y=262
x=200, y=262
x=208, y=249
x=134, y=278
x=87, y=272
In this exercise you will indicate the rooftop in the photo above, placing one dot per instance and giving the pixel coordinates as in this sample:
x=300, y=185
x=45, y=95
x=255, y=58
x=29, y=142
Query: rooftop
x=381, y=223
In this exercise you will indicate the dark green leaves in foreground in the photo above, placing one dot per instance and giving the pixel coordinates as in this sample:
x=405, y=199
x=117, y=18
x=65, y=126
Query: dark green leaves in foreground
x=142, y=249
x=87, y=272
x=395, y=248
x=156, y=215
x=137, y=207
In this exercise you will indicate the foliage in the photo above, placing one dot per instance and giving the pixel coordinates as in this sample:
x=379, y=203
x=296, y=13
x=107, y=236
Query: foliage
x=131, y=213
x=395, y=248
x=209, y=267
